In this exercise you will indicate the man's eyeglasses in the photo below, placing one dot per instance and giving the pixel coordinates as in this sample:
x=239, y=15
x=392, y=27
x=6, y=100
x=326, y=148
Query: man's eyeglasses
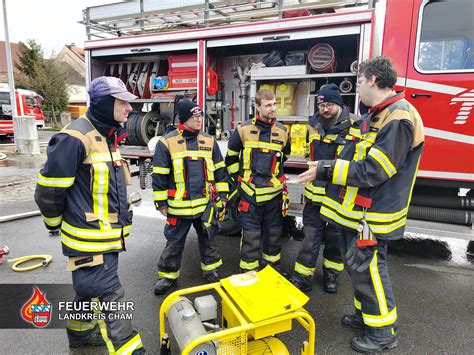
x=326, y=105
x=198, y=116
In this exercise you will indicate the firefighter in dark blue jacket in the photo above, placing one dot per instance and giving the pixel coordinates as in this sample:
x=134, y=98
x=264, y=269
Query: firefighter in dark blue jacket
x=372, y=181
x=82, y=191
x=255, y=156
x=327, y=136
x=190, y=188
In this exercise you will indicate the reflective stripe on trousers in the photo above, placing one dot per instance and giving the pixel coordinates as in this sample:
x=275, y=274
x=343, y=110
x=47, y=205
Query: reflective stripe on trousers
x=170, y=260
x=373, y=290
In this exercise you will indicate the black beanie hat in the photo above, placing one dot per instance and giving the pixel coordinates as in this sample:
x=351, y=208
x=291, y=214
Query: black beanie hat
x=187, y=108
x=330, y=93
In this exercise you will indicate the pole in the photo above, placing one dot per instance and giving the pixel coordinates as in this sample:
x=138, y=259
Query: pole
x=11, y=82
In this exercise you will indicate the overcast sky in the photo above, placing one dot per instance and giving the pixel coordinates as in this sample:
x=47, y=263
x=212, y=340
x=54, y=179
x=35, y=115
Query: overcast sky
x=52, y=23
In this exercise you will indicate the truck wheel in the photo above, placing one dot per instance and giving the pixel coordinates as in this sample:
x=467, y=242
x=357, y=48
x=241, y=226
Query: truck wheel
x=141, y=127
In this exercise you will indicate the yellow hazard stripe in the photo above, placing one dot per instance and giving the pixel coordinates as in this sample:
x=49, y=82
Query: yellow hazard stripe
x=186, y=211
x=79, y=326
x=90, y=246
x=380, y=321
x=370, y=216
x=161, y=170
x=328, y=264
x=314, y=137
x=103, y=330
x=192, y=154
x=55, y=181
x=341, y=169
x=232, y=153
x=100, y=189
x=271, y=258
x=222, y=187
x=357, y=304
x=105, y=157
x=219, y=165
x=130, y=346
x=212, y=266
x=378, y=285
x=52, y=221
x=160, y=195
x=169, y=275
x=383, y=160
x=232, y=169
x=263, y=198
x=248, y=266
x=303, y=270
x=188, y=203
x=94, y=233
x=262, y=145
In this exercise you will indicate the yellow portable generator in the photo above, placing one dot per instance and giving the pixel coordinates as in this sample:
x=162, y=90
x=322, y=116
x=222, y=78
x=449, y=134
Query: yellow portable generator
x=255, y=307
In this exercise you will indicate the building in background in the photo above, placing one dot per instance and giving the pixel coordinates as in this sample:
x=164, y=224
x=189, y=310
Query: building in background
x=71, y=59
x=15, y=50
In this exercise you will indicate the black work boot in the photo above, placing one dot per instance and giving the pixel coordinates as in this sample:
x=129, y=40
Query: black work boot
x=353, y=321
x=90, y=337
x=365, y=344
x=243, y=271
x=163, y=285
x=330, y=283
x=212, y=276
x=280, y=270
x=302, y=283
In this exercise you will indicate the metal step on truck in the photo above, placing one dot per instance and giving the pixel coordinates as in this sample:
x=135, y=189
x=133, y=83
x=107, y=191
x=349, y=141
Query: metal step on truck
x=213, y=52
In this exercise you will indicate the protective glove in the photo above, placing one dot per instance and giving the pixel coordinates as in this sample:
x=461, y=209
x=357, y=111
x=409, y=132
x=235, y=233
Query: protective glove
x=358, y=259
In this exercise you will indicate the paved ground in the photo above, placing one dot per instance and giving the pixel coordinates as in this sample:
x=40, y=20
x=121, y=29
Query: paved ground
x=433, y=281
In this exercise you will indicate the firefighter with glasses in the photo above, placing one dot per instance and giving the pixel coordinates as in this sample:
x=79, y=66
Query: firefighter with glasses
x=82, y=191
x=327, y=135
x=190, y=186
x=255, y=156
x=372, y=181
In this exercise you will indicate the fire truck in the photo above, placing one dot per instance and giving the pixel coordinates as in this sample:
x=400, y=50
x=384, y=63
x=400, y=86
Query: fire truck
x=220, y=53
x=28, y=103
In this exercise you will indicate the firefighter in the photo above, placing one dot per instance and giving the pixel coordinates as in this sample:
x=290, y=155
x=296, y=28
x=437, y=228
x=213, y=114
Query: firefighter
x=190, y=183
x=82, y=191
x=255, y=156
x=372, y=181
x=326, y=133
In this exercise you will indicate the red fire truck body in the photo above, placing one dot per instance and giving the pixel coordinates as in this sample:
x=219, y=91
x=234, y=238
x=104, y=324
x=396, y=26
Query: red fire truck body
x=430, y=42
x=28, y=103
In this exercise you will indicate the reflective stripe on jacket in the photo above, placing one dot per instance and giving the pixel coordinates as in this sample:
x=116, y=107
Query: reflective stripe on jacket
x=376, y=172
x=325, y=145
x=255, y=156
x=186, y=169
x=82, y=190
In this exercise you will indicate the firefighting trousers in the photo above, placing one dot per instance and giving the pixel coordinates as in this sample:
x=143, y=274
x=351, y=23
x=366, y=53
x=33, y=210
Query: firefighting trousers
x=315, y=230
x=101, y=284
x=373, y=295
x=262, y=239
x=176, y=230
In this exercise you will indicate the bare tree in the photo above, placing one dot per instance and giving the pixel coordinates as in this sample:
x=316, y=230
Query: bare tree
x=44, y=76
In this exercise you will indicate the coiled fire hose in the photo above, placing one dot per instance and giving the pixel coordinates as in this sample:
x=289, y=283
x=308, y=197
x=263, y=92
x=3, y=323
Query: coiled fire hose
x=17, y=261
